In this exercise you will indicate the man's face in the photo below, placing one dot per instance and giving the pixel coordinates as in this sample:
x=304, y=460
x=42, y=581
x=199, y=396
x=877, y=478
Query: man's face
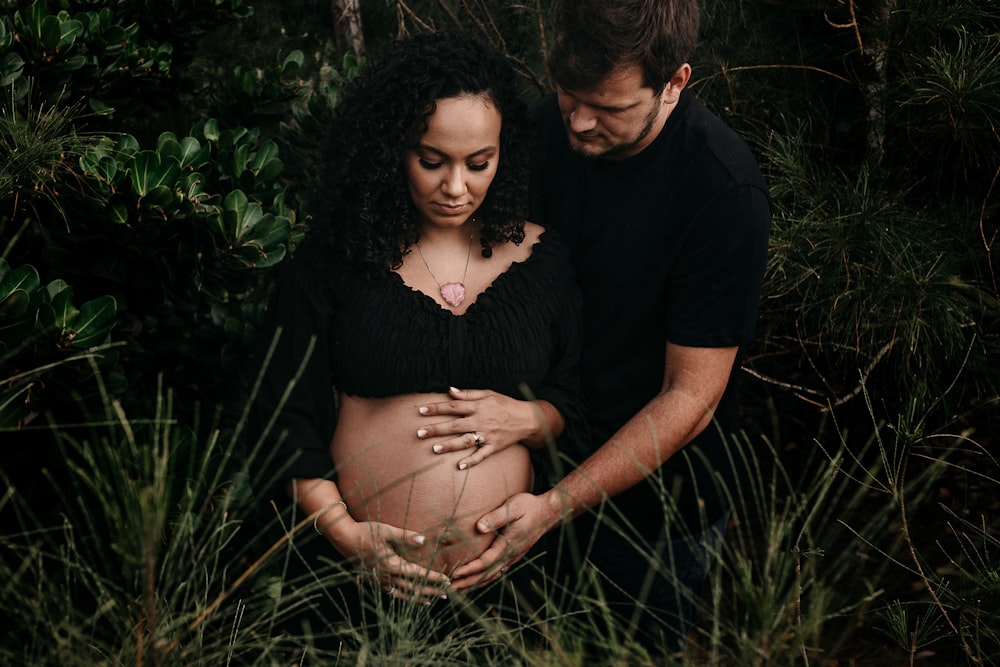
x=616, y=119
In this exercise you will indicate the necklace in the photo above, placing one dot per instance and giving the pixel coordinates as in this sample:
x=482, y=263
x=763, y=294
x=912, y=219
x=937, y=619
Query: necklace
x=452, y=293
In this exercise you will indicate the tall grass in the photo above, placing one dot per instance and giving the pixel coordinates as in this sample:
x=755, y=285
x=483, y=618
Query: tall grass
x=158, y=557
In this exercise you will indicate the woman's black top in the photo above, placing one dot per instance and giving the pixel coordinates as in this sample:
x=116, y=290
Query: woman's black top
x=332, y=327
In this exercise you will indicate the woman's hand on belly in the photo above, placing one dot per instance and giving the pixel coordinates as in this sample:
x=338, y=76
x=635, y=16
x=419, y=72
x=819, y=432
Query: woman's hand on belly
x=482, y=423
x=386, y=554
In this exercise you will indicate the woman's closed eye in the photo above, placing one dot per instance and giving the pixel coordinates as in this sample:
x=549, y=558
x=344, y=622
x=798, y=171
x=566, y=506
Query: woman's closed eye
x=428, y=164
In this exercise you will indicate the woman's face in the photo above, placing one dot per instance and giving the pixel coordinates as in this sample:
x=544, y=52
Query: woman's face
x=451, y=168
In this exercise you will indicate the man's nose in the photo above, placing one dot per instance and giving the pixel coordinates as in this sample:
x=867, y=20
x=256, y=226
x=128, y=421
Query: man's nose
x=582, y=119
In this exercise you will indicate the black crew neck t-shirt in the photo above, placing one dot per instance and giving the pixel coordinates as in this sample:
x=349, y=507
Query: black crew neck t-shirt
x=668, y=245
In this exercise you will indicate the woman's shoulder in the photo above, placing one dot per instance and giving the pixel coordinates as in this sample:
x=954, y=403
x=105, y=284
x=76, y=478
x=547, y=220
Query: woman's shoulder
x=549, y=241
x=541, y=246
x=532, y=231
x=548, y=254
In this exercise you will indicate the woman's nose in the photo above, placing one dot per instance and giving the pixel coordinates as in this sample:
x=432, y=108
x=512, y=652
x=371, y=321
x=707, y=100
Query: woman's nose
x=454, y=182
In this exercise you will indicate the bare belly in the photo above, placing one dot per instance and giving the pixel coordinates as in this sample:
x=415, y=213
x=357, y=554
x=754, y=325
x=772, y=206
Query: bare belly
x=387, y=474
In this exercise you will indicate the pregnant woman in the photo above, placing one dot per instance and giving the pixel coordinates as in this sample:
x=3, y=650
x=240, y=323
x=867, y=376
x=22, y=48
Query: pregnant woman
x=419, y=276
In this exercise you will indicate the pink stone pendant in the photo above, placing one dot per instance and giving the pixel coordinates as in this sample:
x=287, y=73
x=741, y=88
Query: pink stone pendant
x=453, y=293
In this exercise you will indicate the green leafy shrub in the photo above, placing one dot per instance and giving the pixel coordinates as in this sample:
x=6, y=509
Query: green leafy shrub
x=41, y=323
x=114, y=55
x=178, y=230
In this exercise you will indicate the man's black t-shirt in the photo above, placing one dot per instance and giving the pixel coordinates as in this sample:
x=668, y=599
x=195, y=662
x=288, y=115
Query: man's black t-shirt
x=668, y=245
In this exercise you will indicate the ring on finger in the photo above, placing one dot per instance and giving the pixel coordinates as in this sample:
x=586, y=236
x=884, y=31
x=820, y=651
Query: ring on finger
x=391, y=589
x=478, y=438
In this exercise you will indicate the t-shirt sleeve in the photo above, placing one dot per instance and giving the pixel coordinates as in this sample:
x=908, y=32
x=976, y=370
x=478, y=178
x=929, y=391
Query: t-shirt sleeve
x=714, y=293
x=292, y=416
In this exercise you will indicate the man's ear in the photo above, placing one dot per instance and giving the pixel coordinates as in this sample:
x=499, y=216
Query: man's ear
x=672, y=91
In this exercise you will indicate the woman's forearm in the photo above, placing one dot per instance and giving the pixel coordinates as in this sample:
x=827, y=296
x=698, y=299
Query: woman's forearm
x=550, y=424
x=321, y=499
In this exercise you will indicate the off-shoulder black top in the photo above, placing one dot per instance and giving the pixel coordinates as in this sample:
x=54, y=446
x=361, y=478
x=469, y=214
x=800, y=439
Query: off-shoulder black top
x=367, y=333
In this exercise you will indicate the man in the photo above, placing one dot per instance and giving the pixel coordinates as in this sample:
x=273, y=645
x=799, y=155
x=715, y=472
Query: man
x=666, y=215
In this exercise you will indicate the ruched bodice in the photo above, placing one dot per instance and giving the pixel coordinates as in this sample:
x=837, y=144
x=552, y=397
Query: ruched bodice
x=388, y=339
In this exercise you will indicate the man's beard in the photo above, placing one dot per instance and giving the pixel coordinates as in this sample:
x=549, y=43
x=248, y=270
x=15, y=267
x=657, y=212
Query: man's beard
x=619, y=149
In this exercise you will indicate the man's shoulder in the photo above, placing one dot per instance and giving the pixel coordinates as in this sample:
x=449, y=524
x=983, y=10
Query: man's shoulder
x=716, y=141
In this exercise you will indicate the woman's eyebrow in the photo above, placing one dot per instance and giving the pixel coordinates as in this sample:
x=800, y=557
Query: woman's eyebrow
x=437, y=151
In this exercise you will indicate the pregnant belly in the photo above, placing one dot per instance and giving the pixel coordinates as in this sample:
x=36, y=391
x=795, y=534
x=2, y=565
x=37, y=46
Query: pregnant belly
x=387, y=474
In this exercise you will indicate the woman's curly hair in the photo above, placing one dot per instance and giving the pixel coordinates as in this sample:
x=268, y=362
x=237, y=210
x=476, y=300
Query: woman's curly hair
x=365, y=212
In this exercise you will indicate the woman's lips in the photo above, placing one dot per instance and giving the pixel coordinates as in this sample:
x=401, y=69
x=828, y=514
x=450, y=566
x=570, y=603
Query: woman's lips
x=451, y=209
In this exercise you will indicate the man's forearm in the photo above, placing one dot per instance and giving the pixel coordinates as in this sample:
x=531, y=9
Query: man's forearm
x=641, y=446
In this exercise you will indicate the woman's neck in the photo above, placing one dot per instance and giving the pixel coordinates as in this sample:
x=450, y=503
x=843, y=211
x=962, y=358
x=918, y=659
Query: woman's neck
x=449, y=236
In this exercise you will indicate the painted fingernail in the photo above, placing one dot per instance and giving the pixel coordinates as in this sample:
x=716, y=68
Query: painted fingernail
x=422, y=409
x=437, y=449
x=419, y=539
x=421, y=432
x=444, y=597
x=463, y=466
x=454, y=389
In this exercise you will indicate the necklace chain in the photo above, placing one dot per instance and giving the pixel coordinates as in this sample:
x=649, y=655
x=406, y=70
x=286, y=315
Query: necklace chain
x=453, y=293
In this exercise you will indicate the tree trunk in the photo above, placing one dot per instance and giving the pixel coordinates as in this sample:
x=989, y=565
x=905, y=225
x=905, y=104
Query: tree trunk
x=347, y=22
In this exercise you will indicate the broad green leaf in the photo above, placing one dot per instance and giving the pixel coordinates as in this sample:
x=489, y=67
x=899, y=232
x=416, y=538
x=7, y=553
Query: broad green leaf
x=70, y=64
x=233, y=209
x=248, y=256
x=241, y=216
x=6, y=33
x=93, y=323
x=148, y=171
x=14, y=305
x=168, y=145
x=70, y=31
x=265, y=152
x=161, y=197
x=271, y=233
x=128, y=145
x=192, y=153
x=241, y=159
x=103, y=166
x=11, y=67
x=22, y=278
x=100, y=107
x=270, y=171
x=57, y=287
x=211, y=129
x=49, y=34
x=118, y=212
x=63, y=309
x=292, y=64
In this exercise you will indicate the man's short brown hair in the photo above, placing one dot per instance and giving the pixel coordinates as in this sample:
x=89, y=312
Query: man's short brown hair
x=594, y=38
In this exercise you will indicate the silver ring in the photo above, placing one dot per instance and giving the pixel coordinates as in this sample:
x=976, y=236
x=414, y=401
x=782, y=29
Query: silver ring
x=478, y=438
x=391, y=589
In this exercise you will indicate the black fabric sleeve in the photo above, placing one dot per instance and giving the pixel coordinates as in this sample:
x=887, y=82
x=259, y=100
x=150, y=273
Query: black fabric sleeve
x=714, y=291
x=293, y=416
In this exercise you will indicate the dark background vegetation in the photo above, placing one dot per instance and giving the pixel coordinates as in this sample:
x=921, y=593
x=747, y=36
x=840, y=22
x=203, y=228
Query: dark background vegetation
x=155, y=161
